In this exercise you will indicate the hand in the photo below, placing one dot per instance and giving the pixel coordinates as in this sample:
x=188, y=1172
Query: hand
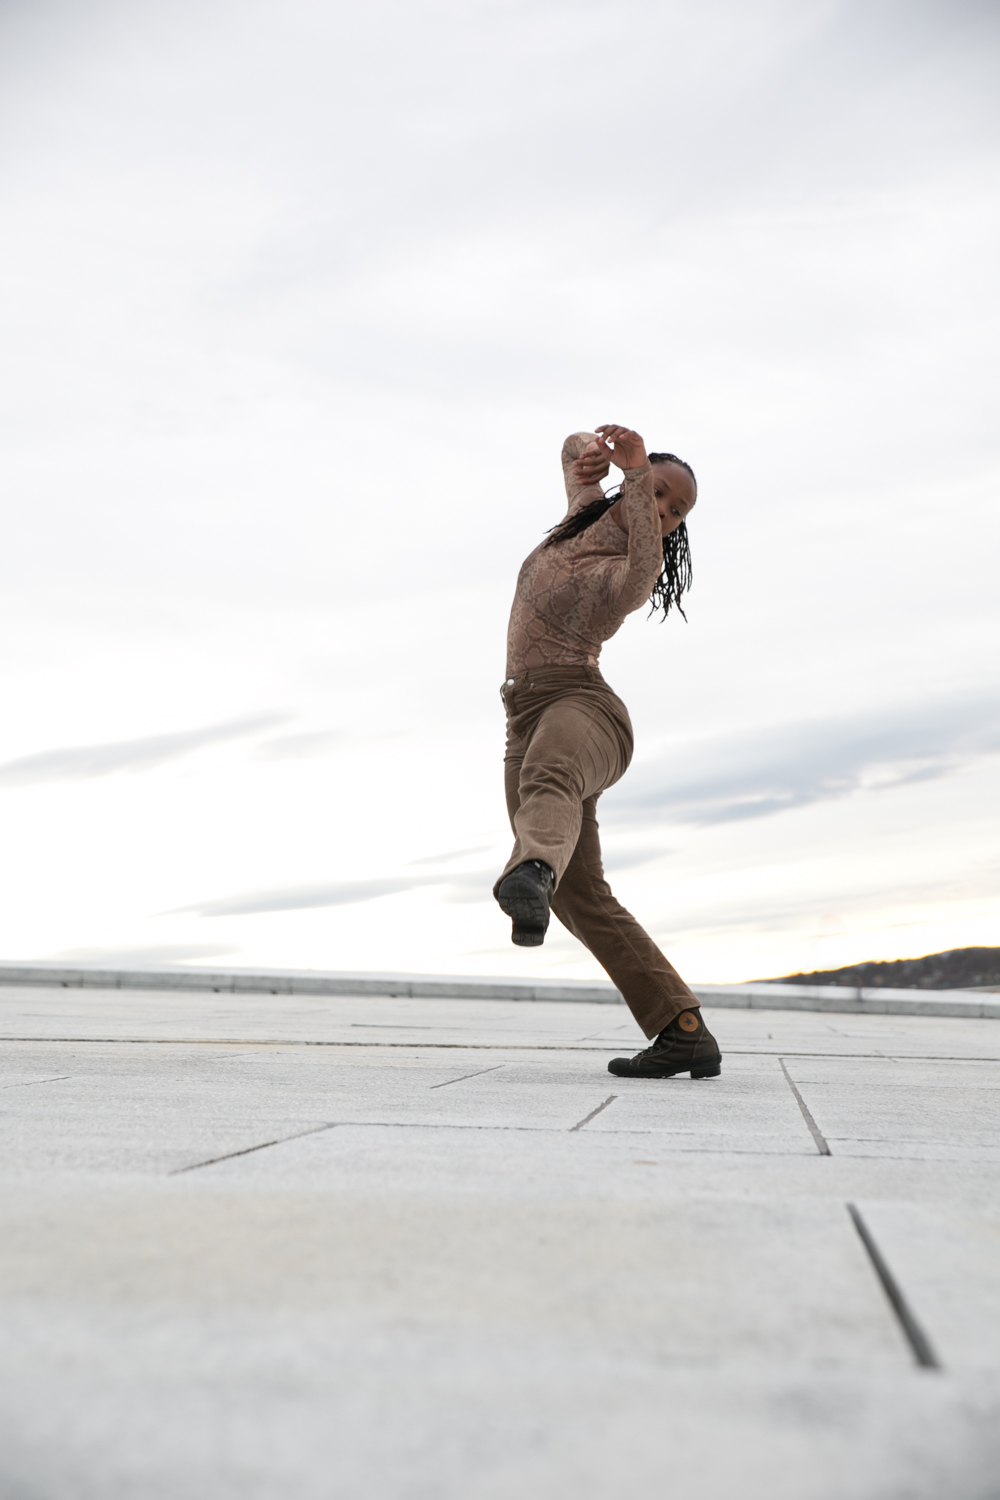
x=629, y=450
x=591, y=466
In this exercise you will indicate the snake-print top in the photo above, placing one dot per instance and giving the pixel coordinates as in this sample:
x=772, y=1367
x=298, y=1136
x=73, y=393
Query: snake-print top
x=573, y=596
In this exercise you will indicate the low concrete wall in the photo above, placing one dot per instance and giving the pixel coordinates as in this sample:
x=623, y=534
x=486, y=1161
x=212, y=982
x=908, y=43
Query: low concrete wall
x=305, y=982
x=851, y=1000
x=461, y=987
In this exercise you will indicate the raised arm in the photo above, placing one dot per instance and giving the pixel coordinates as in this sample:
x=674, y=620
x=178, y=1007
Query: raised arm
x=640, y=515
x=583, y=467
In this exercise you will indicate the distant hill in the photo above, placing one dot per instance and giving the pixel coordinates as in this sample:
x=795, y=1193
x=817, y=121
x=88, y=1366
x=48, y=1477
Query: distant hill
x=957, y=969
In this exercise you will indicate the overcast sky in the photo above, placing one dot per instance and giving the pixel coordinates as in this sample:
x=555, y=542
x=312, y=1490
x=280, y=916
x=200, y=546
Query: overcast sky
x=300, y=300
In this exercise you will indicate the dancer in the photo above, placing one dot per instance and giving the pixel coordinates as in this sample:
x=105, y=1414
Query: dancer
x=569, y=736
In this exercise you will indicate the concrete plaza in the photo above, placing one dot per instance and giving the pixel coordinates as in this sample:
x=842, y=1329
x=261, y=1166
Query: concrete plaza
x=310, y=1248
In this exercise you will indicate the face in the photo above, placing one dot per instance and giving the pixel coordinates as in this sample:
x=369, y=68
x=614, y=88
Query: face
x=675, y=494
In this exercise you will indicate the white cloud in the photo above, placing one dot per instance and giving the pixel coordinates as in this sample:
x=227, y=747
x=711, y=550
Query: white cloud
x=137, y=956
x=81, y=762
x=758, y=772
x=474, y=886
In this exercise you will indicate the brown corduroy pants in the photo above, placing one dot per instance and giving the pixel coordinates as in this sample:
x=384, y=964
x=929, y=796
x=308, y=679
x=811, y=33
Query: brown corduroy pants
x=569, y=738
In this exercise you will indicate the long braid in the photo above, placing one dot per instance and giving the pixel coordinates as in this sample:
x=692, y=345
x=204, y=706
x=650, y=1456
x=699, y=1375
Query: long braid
x=676, y=575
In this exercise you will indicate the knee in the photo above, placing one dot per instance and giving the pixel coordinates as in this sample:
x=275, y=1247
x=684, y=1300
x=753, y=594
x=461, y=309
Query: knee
x=585, y=900
x=547, y=780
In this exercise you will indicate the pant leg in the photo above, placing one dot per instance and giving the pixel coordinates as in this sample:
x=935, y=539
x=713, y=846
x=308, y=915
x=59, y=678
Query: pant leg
x=652, y=988
x=574, y=751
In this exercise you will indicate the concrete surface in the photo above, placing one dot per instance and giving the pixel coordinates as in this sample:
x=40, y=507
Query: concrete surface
x=257, y=1246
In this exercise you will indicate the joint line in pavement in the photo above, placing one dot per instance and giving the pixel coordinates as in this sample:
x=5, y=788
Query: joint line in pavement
x=814, y=1130
x=587, y=1118
x=248, y=1150
x=477, y=1074
x=918, y=1341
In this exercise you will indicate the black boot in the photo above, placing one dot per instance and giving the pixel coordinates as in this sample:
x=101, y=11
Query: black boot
x=685, y=1046
x=525, y=895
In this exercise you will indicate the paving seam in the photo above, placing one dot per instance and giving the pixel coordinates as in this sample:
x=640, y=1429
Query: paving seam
x=248, y=1150
x=30, y=1083
x=918, y=1341
x=194, y=1041
x=814, y=1130
x=478, y=1074
x=517, y=1129
x=909, y=1140
x=587, y=1118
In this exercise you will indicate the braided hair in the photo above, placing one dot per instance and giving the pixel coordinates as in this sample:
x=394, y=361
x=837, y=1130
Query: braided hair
x=675, y=575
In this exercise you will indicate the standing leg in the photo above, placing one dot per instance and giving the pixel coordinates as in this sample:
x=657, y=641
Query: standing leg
x=652, y=988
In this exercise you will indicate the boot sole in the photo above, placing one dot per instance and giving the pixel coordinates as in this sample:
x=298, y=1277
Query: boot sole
x=527, y=909
x=709, y=1069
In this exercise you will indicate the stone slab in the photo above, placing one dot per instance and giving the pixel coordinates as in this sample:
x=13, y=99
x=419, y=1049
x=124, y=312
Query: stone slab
x=359, y=1246
x=948, y=1258
x=29, y=1013
x=945, y=1109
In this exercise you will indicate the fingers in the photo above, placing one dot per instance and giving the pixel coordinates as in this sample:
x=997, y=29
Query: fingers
x=614, y=444
x=592, y=451
x=609, y=434
x=623, y=445
x=590, y=466
x=591, y=460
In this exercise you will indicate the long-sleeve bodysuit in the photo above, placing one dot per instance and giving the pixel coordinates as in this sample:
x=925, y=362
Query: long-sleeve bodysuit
x=569, y=736
x=572, y=597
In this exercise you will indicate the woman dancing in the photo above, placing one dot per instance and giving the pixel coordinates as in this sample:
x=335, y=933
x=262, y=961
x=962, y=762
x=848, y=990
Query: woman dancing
x=569, y=736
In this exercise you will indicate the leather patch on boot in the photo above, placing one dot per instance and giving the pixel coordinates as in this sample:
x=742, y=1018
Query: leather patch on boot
x=687, y=1021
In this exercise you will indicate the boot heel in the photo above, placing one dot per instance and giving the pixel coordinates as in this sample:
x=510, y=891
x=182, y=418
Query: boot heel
x=706, y=1069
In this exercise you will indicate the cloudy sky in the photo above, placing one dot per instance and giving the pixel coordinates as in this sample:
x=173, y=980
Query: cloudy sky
x=299, y=302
